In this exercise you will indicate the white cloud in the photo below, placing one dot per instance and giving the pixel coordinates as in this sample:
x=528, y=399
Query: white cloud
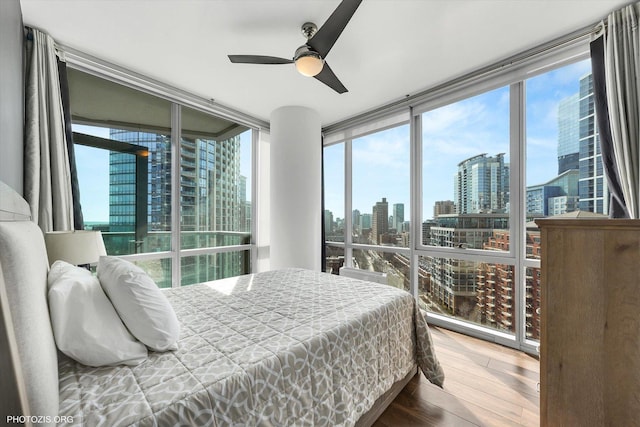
x=383, y=151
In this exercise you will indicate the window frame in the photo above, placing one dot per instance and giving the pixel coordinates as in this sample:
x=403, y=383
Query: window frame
x=178, y=98
x=513, y=74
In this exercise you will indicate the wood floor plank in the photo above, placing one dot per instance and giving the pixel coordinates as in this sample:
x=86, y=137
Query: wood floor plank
x=486, y=384
x=481, y=350
x=485, y=399
x=407, y=411
x=516, y=381
x=520, y=395
x=456, y=355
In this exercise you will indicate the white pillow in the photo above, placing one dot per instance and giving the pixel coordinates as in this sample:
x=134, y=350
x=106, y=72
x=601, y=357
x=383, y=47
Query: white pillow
x=142, y=306
x=85, y=325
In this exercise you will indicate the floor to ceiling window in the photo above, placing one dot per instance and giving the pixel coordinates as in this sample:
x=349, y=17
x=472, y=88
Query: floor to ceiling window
x=479, y=162
x=169, y=186
x=215, y=190
x=466, y=207
x=334, y=219
x=369, y=219
x=563, y=167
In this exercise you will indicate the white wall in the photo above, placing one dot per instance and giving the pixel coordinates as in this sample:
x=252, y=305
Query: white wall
x=295, y=179
x=11, y=94
x=11, y=125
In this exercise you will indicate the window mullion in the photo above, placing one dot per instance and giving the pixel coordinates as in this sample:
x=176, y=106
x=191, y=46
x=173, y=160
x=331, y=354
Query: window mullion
x=415, y=198
x=255, y=156
x=348, y=202
x=176, y=129
x=517, y=185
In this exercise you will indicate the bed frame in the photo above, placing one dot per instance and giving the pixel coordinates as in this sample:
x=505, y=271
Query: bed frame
x=14, y=401
x=29, y=358
x=28, y=355
x=383, y=402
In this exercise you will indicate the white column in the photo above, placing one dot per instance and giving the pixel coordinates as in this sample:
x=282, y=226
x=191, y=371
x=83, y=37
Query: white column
x=295, y=171
x=263, y=203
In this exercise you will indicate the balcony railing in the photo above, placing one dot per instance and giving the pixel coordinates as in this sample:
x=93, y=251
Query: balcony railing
x=125, y=243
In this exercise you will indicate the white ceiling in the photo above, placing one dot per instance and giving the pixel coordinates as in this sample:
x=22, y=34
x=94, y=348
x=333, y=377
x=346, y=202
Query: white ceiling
x=390, y=49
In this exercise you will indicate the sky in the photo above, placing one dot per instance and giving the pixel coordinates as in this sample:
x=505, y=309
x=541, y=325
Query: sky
x=450, y=135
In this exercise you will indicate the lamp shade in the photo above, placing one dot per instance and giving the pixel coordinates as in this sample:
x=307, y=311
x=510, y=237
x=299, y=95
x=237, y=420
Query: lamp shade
x=75, y=247
x=308, y=62
x=309, y=65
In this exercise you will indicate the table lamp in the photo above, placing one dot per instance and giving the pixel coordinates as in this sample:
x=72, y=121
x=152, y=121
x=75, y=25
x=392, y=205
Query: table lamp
x=79, y=247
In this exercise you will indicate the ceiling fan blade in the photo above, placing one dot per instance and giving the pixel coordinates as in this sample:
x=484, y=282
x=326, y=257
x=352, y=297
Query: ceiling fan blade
x=327, y=77
x=326, y=36
x=258, y=59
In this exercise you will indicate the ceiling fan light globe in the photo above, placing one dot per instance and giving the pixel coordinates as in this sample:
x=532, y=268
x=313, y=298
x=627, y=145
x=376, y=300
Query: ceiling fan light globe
x=309, y=65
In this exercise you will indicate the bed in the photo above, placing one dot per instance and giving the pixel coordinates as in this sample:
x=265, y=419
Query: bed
x=285, y=347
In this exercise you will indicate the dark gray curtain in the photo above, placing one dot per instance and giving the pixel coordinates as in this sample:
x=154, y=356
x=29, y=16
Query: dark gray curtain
x=323, y=251
x=622, y=75
x=617, y=208
x=78, y=219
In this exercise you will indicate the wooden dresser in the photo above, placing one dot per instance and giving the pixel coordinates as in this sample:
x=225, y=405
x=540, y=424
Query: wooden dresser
x=590, y=322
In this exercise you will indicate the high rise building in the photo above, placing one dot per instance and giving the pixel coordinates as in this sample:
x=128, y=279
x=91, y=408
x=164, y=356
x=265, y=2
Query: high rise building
x=328, y=222
x=568, y=133
x=454, y=281
x=557, y=196
x=398, y=216
x=592, y=185
x=380, y=220
x=426, y=231
x=245, y=219
x=496, y=291
x=443, y=207
x=365, y=221
x=123, y=188
x=212, y=198
x=482, y=185
x=355, y=221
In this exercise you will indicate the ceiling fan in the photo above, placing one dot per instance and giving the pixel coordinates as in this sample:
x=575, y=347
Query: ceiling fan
x=309, y=58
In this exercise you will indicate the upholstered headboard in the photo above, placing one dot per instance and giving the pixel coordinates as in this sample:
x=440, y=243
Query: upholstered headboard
x=32, y=371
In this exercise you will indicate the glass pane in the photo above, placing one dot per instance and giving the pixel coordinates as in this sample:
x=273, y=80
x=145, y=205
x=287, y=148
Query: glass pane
x=532, y=303
x=158, y=269
x=334, y=193
x=380, y=190
x=476, y=292
x=334, y=259
x=564, y=172
x=564, y=168
x=465, y=167
x=204, y=268
x=93, y=179
x=215, y=182
x=125, y=191
x=396, y=266
x=123, y=155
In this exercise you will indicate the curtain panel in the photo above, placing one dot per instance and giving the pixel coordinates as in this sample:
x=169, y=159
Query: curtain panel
x=617, y=208
x=47, y=176
x=78, y=218
x=622, y=71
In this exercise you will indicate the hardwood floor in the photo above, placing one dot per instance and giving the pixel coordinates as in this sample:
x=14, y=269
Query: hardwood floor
x=485, y=384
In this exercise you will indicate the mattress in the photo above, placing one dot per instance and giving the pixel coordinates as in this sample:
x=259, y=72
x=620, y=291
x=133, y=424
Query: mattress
x=287, y=347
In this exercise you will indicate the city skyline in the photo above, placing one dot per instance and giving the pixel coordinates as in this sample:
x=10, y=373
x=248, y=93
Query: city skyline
x=381, y=160
x=452, y=134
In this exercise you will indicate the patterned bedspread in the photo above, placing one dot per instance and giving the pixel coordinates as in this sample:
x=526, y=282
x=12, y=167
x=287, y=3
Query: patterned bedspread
x=288, y=347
